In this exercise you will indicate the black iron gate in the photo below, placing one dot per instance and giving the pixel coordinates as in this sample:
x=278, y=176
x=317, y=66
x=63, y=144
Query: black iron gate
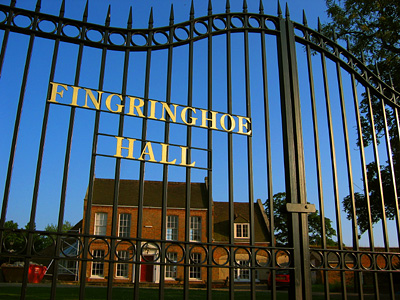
x=154, y=145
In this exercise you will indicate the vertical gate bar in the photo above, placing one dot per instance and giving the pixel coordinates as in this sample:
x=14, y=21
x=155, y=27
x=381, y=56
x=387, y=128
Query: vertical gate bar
x=378, y=172
x=161, y=293
x=362, y=158
x=230, y=158
x=397, y=132
x=8, y=180
x=397, y=122
x=5, y=40
x=209, y=155
x=291, y=182
x=333, y=167
x=88, y=213
x=390, y=159
x=142, y=163
x=40, y=155
x=317, y=154
x=189, y=157
x=366, y=188
x=16, y=126
x=348, y=155
x=249, y=159
x=31, y=226
x=69, y=143
x=299, y=152
x=117, y=176
x=268, y=149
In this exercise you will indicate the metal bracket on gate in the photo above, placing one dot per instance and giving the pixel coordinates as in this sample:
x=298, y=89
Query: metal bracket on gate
x=300, y=208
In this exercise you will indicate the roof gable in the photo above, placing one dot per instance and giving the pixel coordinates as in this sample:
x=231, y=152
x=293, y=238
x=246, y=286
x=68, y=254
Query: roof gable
x=241, y=215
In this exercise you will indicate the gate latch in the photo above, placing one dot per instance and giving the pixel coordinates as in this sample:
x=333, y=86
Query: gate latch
x=300, y=208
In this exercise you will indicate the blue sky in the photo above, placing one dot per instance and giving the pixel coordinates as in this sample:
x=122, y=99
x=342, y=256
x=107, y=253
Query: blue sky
x=48, y=200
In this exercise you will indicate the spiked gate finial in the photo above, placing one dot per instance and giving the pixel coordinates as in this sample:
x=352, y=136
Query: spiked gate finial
x=319, y=25
x=38, y=5
x=151, y=18
x=209, y=8
x=129, y=24
x=192, y=11
x=244, y=6
x=279, y=10
x=287, y=13
x=171, y=15
x=305, y=23
x=227, y=7
x=108, y=17
x=261, y=8
x=86, y=12
x=62, y=9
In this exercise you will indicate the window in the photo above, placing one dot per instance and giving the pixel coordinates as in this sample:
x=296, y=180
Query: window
x=242, y=230
x=122, y=268
x=124, y=225
x=195, y=271
x=100, y=224
x=172, y=228
x=195, y=228
x=242, y=273
x=67, y=267
x=170, y=269
x=98, y=266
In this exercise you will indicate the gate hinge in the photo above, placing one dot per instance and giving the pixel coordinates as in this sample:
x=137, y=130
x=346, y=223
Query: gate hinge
x=300, y=208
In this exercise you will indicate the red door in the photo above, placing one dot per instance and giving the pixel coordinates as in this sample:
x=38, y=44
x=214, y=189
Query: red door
x=146, y=271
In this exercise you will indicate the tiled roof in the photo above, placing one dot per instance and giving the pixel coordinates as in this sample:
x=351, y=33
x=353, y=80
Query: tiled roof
x=241, y=215
x=103, y=193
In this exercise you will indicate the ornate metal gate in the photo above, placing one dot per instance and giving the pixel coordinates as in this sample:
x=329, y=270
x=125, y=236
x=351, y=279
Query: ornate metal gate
x=239, y=153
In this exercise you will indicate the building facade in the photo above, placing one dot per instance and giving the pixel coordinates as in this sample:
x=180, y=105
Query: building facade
x=183, y=226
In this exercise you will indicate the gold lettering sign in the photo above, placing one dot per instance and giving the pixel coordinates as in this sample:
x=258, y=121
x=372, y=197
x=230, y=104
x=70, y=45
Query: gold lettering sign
x=129, y=148
x=157, y=110
x=147, y=153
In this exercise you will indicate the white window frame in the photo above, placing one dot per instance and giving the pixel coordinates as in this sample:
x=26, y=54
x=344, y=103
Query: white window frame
x=195, y=269
x=124, y=225
x=100, y=223
x=170, y=268
x=195, y=228
x=242, y=230
x=122, y=268
x=172, y=228
x=242, y=274
x=97, y=266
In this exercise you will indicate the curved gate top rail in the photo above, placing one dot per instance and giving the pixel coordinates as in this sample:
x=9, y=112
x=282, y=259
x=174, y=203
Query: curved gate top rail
x=121, y=39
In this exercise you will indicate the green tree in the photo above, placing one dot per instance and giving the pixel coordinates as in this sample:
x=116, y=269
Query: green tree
x=373, y=29
x=281, y=222
x=47, y=241
x=14, y=241
x=53, y=227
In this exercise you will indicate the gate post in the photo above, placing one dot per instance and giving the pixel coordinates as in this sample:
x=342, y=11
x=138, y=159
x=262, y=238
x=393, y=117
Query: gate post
x=300, y=284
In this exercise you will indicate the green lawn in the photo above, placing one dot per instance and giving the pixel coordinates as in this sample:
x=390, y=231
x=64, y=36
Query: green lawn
x=126, y=293
x=123, y=293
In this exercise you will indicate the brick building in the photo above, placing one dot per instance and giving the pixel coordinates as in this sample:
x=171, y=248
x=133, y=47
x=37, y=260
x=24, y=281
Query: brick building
x=175, y=230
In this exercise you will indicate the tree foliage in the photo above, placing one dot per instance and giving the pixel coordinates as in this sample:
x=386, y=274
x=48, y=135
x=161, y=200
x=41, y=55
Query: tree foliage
x=16, y=239
x=373, y=29
x=54, y=227
x=281, y=222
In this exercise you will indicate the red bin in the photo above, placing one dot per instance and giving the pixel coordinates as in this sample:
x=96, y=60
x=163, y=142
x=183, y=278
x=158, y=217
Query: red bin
x=36, y=273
